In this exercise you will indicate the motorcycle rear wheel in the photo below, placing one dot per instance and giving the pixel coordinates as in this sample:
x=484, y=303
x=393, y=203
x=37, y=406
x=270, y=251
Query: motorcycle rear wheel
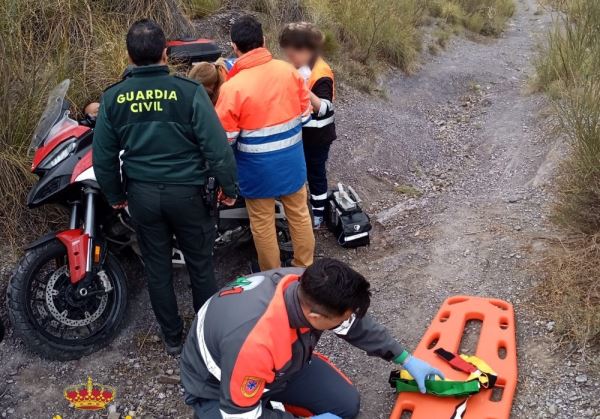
x=47, y=317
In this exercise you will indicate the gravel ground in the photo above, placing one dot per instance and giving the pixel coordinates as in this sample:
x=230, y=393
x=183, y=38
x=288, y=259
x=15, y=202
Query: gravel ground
x=456, y=167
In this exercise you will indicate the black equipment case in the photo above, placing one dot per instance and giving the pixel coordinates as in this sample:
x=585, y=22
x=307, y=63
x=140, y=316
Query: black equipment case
x=346, y=219
x=190, y=50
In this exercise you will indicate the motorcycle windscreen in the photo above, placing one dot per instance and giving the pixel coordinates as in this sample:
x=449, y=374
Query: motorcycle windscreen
x=54, y=112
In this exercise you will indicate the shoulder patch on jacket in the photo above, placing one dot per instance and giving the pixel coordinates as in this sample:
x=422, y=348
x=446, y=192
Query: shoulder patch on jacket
x=251, y=386
x=242, y=284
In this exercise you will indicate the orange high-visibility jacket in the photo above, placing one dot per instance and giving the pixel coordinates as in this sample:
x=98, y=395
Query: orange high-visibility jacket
x=252, y=337
x=320, y=130
x=262, y=107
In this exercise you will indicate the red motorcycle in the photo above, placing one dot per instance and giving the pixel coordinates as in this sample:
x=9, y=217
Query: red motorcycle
x=68, y=294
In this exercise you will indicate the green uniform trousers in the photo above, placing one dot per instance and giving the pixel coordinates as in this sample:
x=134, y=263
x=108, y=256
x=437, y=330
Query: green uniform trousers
x=160, y=211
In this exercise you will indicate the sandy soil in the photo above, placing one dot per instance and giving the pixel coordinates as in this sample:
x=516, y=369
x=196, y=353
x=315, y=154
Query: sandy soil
x=456, y=167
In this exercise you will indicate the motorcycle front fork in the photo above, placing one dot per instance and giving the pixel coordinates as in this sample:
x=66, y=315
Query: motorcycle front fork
x=89, y=230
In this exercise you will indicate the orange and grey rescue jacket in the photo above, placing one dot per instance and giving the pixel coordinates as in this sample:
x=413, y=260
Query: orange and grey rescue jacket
x=262, y=107
x=320, y=129
x=251, y=337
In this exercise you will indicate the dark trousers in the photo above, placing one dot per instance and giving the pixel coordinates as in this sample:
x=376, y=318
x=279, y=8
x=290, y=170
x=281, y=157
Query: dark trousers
x=316, y=169
x=160, y=211
x=318, y=388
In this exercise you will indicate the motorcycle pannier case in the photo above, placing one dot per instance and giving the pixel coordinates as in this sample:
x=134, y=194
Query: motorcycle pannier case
x=192, y=50
x=345, y=218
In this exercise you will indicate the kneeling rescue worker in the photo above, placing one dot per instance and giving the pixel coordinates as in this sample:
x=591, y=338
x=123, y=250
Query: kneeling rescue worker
x=250, y=349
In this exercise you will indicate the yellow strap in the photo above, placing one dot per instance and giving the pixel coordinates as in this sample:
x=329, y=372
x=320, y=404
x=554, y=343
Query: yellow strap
x=479, y=363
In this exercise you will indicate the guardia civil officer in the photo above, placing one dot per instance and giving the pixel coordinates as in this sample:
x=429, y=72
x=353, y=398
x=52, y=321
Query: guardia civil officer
x=170, y=138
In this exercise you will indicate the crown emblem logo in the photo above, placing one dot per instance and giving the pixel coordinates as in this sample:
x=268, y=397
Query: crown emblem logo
x=89, y=396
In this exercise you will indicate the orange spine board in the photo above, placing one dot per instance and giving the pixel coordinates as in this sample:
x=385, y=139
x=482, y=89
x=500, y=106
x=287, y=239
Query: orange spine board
x=496, y=346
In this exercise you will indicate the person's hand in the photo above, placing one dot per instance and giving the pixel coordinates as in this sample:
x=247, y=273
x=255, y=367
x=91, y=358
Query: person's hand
x=421, y=371
x=227, y=201
x=120, y=205
x=326, y=416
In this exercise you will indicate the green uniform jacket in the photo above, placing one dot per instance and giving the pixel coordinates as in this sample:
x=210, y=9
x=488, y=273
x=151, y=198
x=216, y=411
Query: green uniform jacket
x=168, y=131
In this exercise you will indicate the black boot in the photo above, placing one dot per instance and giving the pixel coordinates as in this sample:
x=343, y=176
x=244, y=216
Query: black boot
x=173, y=344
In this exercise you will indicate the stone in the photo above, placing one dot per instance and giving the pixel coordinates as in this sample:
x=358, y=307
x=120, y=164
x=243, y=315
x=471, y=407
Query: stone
x=169, y=371
x=552, y=409
x=169, y=379
x=550, y=326
x=582, y=378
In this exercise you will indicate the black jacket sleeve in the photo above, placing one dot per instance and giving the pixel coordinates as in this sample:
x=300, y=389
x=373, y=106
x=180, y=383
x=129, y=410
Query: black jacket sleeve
x=323, y=88
x=366, y=334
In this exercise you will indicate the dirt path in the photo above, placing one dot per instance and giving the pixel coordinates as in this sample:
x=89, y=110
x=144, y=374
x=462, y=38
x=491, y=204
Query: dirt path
x=464, y=140
x=465, y=134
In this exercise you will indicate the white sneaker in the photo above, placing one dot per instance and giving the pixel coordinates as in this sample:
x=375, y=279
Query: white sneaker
x=318, y=223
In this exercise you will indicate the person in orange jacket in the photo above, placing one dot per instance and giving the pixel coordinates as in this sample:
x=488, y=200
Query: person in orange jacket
x=302, y=43
x=263, y=106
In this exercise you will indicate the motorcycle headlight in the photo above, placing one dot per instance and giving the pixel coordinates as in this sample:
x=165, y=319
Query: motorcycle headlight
x=60, y=153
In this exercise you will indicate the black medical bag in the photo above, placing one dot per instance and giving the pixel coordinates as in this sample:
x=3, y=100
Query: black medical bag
x=346, y=219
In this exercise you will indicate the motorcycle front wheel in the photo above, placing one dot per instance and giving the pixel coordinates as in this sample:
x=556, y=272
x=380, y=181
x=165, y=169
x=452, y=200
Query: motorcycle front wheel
x=47, y=315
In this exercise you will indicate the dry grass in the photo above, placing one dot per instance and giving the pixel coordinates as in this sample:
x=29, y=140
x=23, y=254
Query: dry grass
x=568, y=69
x=572, y=52
x=42, y=43
x=486, y=17
x=201, y=8
x=362, y=37
x=579, y=192
x=571, y=293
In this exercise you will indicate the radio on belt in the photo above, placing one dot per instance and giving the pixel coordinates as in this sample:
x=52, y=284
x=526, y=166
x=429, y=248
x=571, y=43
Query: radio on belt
x=346, y=219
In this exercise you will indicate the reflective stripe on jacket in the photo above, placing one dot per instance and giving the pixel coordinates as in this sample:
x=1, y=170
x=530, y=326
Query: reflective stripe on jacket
x=252, y=337
x=321, y=128
x=262, y=107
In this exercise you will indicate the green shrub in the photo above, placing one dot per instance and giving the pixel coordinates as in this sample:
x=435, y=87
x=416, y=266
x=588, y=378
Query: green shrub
x=572, y=52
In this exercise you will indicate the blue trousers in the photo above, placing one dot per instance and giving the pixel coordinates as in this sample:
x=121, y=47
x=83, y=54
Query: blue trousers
x=318, y=388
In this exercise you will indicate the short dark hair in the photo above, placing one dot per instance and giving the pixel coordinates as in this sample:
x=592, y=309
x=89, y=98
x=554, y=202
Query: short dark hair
x=145, y=42
x=301, y=35
x=335, y=287
x=247, y=34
